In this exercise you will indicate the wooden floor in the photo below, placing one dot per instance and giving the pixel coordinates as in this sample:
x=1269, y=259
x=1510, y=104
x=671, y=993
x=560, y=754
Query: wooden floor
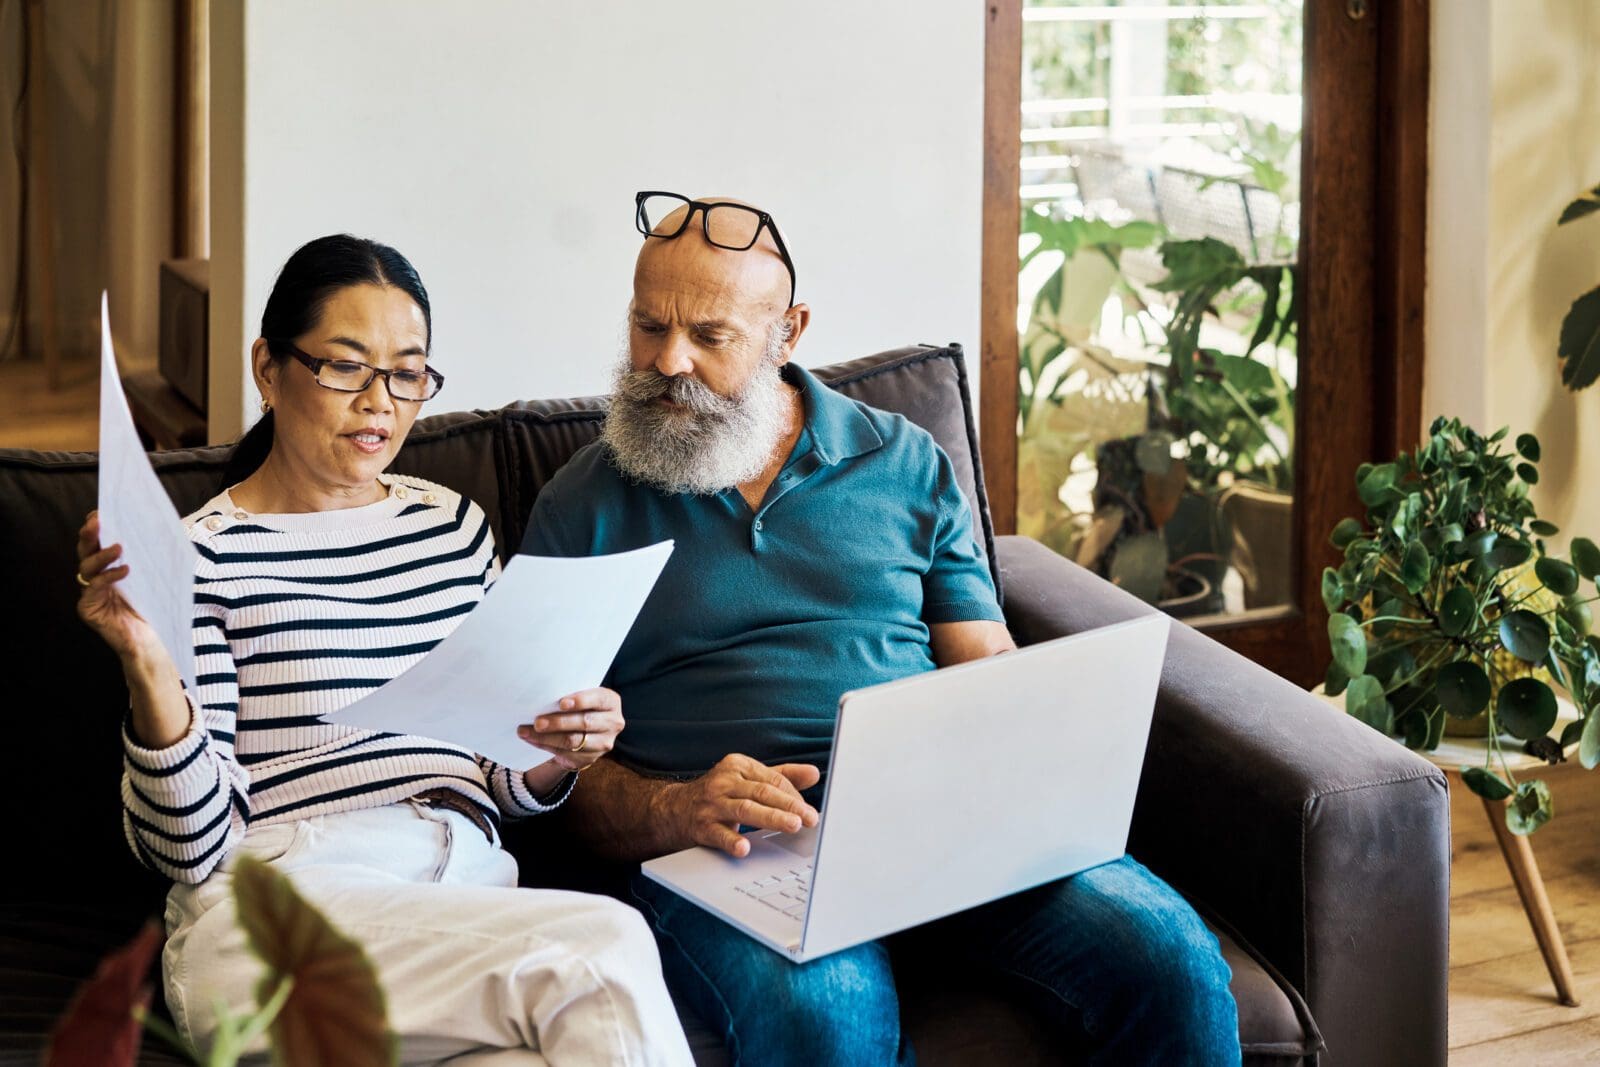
x=1502, y=1005
x=34, y=416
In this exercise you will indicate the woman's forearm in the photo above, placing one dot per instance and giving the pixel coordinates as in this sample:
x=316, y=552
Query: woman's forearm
x=161, y=714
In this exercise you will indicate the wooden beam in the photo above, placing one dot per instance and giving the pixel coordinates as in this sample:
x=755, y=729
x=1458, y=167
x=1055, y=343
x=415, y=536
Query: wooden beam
x=39, y=265
x=191, y=145
x=1002, y=220
x=1402, y=215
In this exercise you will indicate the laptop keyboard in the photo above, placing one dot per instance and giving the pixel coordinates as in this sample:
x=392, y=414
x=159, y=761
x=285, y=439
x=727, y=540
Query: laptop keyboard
x=786, y=892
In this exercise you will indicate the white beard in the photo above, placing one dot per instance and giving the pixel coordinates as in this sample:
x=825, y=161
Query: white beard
x=710, y=442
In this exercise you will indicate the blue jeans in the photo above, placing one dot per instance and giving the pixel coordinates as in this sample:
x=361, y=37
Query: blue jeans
x=1114, y=955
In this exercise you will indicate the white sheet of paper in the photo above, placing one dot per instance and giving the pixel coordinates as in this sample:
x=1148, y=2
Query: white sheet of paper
x=136, y=511
x=549, y=627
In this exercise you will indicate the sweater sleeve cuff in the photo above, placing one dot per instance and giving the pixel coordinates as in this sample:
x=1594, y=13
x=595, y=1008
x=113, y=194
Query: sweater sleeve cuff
x=164, y=762
x=530, y=804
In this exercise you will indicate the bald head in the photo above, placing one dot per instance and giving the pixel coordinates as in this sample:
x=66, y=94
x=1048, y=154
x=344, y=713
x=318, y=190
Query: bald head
x=753, y=282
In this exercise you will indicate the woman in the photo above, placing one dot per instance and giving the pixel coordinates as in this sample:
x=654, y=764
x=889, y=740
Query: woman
x=320, y=578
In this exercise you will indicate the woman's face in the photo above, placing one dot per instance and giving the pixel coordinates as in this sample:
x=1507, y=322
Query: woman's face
x=343, y=441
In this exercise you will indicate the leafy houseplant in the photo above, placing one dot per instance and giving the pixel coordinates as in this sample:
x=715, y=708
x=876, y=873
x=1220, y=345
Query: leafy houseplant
x=1580, y=330
x=319, y=997
x=1164, y=438
x=1447, y=605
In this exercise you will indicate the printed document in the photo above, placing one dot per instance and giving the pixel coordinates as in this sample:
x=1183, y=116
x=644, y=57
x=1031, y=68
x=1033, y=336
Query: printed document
x=136, y=511
x=549, y=627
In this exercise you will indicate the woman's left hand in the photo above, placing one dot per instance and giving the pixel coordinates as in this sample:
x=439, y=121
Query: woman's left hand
x=584, y=729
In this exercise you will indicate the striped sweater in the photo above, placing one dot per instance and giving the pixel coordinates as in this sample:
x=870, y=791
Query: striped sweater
x=297, y=616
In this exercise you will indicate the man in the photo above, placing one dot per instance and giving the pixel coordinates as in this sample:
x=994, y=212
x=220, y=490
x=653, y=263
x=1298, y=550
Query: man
x=821, y=546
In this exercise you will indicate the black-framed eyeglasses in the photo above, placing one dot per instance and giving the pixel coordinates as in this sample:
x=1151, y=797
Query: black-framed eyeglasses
x=354, y=376
x=735, y=227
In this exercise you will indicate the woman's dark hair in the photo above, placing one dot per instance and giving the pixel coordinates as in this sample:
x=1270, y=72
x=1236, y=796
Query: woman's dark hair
x=317, y=270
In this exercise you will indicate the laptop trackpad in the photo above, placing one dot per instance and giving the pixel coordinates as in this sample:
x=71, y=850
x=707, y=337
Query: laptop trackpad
x=802, y=843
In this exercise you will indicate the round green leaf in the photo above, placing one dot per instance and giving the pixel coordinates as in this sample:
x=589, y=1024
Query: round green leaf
x=1589, y=741
x=1332, y=589
x=1377, y=486
x=1578, y=616
x=1530, y=807
x=1506, y=554
x=1334, y=682
x=1526, y=708
x=1559, y=577
x=1544, y=529
x=1458, y=611
x=1349, y=644
x=1572, y=733
x=1462, y=688
x=1346, y=531
x=1486, y=784
x=1525, y=635
x=1391, y=608
x=1153, y=452
x=1528, y=473
x=1528, y=446
x=1416, y=566
x=1364, y=700
x=1586, y=557
x=1481, y=542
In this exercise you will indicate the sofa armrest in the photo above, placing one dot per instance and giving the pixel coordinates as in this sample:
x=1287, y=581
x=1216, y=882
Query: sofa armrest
x=1322, y=842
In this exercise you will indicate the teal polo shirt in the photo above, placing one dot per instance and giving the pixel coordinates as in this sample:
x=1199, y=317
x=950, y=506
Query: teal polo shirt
x=763, y=618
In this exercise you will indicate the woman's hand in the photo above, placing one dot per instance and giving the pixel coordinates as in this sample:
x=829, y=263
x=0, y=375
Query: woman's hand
x=161, y=715
x=102, y=605
x=584, y=729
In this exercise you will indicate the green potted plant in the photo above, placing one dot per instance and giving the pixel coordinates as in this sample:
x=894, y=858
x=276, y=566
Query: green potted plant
x=1449, y=607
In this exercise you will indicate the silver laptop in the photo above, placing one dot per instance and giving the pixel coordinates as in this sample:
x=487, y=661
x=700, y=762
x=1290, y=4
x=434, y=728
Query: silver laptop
x=947, y=790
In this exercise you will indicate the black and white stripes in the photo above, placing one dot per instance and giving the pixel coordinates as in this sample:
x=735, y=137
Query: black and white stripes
x=297, y=616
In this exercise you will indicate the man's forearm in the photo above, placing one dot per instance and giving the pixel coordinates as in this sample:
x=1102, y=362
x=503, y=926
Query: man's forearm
x=622, y=815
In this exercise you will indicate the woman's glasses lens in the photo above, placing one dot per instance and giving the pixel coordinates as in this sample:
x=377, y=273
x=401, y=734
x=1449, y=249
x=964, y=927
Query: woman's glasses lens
x=351, y=377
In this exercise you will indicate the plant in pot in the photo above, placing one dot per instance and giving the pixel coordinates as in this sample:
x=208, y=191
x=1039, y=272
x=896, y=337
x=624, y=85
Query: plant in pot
x=1448, y=607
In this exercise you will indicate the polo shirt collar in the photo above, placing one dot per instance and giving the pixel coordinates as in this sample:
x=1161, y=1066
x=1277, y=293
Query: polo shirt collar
x=839, y=429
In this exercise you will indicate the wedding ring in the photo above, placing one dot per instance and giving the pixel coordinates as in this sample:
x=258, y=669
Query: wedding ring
x=583, y=742
x=81, y=579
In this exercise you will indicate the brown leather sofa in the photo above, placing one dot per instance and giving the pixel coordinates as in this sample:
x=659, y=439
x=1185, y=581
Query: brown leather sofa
x=1318, y=850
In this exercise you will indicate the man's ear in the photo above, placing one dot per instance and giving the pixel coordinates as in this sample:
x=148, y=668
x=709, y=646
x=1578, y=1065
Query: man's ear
x=264, y=369
x=798, y=317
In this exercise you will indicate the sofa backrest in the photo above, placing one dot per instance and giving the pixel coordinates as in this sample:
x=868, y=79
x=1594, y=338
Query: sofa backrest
x=64, y=695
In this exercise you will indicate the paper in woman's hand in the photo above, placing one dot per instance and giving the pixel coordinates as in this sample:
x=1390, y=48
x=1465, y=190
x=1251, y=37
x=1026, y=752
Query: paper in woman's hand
x=136, y=512
x=549, y=627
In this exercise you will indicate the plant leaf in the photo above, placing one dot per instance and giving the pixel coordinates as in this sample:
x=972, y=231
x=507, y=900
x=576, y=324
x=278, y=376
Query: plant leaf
x=335, y=1013
x=1458, y=610
x=1589, y=741
x=1559, y=577
x=1364, y=700
x=1344, y=532
x=1528, y=446
x=99, y=1026
x=1525, y=635
x=1530, y=807
x=1544, y=529
x=1349, y=644
x=1335, y=681
x=1580, y=341
x=1416, y=567
x=1506, y=554
x=1586, y=204
x=1377, y=487
x=1486, y=784
x=1462, y=688
x=1528, y=473
x=1526, y=708
x=1332, y=590
x=1586, y=557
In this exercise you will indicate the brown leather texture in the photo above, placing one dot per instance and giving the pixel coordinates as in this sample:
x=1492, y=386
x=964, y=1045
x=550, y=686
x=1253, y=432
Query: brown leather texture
x=1324, y=846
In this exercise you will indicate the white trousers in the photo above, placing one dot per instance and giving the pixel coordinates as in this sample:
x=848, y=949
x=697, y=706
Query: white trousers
x=470, y=964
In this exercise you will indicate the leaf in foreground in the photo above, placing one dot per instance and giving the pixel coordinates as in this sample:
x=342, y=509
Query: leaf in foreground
x=335, y=1015
x=100, y=1027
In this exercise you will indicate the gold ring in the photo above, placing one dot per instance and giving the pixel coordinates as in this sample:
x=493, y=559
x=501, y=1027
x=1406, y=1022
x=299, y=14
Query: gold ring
x=583, y=742
x=81, y=579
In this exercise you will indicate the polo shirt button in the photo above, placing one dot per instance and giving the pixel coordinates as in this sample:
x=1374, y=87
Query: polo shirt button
x=429, y=498
x=240, y=515
x=758, y=524
x=214, y=523
x=401, y=491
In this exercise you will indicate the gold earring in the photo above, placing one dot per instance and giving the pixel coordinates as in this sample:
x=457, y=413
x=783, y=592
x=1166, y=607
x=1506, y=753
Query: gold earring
x=265, y=407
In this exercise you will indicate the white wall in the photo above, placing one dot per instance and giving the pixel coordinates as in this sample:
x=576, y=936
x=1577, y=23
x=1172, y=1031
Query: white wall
x=498, y=144
x=1516, y=135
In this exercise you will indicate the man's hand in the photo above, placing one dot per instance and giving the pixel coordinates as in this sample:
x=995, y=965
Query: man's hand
x=739, y=791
